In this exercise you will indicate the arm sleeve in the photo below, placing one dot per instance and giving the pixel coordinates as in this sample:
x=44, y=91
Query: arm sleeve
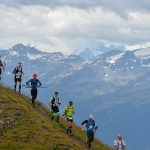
x=28, y=82
x=51, y=99
x=39, y=83
x=115, y=142
x=93, y=123
x=15, y=69
x=85, y=121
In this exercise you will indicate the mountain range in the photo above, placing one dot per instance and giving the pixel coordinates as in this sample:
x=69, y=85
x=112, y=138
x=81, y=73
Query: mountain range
x=96, y=48
x=113, y=86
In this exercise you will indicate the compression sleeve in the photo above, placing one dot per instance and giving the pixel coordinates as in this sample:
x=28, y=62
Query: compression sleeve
x=15, y=69
x=50, y=99
x=28, y=82
x=93, y=123
x=85, y=121
x=39, y=83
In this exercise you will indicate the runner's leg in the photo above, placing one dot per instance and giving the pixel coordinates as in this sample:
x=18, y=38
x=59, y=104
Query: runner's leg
x=0, y=73
x=92, y=136
x=15, y=84
x=58, y=114
x=89, y=139
x=19, y=84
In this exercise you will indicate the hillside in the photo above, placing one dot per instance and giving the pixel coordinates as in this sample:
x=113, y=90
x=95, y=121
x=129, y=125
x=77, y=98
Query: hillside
x=22, y=127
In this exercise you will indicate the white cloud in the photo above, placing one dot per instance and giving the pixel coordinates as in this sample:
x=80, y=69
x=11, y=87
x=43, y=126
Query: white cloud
x=67, y=28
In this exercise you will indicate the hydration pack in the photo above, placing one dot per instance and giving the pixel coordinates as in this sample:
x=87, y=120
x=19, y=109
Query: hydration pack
x=32, y=81
x=87, y=125
x=17, y=70
x=117, y=146
x=67, y=110
x=52, y=101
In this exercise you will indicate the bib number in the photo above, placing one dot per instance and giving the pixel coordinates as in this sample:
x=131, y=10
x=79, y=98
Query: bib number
x=70, y=118
x=91, y=127
x=17, y=76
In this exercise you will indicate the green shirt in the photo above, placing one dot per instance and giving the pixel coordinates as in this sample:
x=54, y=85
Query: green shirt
x=69, y=111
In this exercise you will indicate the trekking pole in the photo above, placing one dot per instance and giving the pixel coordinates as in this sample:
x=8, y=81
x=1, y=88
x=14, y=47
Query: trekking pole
x=3, y=70
x=31, y=87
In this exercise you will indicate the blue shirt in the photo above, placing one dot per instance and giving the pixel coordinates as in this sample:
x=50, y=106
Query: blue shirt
x=34, y=83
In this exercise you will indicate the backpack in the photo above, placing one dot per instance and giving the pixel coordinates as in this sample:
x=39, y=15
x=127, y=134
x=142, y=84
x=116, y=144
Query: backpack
x=88, y=122
x=17, y=70
x=67, y=110
x=32, y=81
x=52, y=102
x=117, y=146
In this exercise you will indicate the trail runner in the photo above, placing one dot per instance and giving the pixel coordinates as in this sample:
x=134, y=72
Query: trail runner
x=54, y=103
x=34, y=85
x=18, y=73
x=68, y=113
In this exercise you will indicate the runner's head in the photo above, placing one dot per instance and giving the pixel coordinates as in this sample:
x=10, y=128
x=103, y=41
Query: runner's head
x=119, y=137
x=56, y=94
x=34, y=76
x=90, y=116
x=70, y=103
x=19, y=64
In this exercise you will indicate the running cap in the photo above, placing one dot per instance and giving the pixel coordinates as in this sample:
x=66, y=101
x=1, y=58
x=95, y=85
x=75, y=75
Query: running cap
x=91, y=116
x=119, y=136
x=56, y=92
x=35, y=75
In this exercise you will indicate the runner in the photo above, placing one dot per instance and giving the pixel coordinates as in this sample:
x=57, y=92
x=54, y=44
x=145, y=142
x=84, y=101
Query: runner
x=18, y=73
x=68, y=112
x=90, y=127
x=34, y=85
x=1, y=65
x=119, y=144
x=54, y=103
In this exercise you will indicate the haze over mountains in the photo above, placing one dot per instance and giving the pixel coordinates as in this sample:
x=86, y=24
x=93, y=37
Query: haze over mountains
x=113, y=86
x=95, y=49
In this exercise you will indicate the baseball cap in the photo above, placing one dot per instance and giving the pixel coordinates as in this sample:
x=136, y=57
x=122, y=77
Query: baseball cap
x=90, y=116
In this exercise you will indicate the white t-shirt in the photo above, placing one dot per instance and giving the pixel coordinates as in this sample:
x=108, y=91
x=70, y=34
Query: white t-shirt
x=120, y=145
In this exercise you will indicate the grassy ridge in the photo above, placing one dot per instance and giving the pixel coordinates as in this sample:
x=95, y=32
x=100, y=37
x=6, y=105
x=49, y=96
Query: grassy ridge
x=22, y=127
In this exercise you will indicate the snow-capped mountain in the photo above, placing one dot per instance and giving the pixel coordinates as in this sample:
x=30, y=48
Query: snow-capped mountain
x=96, y=49
x=112, y=85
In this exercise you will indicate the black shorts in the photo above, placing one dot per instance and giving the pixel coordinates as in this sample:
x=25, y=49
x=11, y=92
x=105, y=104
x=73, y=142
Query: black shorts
x=0, y=71
x=55, y=110
x=17, y=79
x=70, y=120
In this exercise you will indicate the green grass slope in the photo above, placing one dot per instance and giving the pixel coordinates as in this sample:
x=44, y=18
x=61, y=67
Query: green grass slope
x=25, y=128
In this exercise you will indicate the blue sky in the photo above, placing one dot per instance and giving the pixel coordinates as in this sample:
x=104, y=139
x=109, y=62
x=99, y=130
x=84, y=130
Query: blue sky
x=65, y=25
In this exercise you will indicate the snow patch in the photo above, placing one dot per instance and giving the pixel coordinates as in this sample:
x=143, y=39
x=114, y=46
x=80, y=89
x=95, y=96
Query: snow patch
x=33, y=57
x=131, y=67
x=113, y=59
x=105, y=75
x=8, y=72
x=142, y=52
x=13, y=53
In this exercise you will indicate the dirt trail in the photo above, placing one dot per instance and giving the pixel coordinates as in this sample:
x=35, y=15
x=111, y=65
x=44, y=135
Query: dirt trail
x=40, y=111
